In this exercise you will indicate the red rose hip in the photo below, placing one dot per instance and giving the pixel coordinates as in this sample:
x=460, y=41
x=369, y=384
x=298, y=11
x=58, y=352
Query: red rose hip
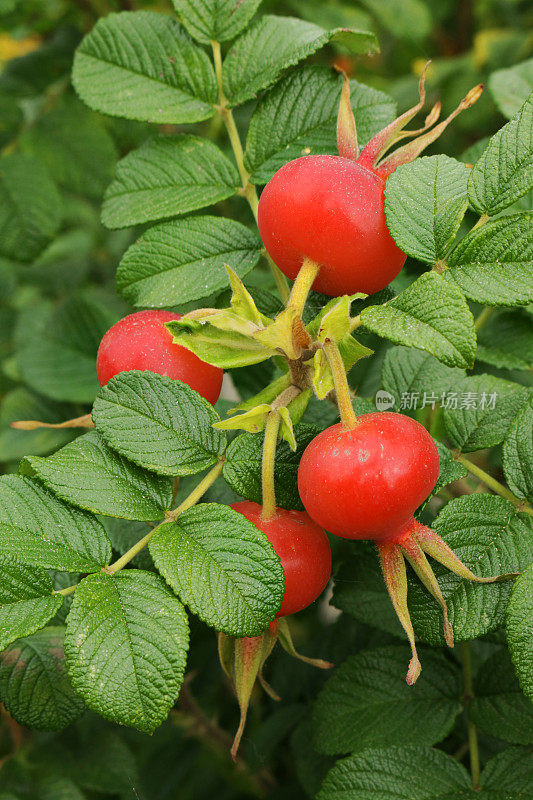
x=330, y=210
x=366, y=482
x=303, y=549
x=141, y=341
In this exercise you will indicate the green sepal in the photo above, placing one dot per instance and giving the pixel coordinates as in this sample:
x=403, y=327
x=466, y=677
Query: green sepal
x=287, y=333
x=242, y=301
x=286, y=430
x=313, y=327
x=225, y=349
x=266, y=395
x=335, y=324
x=253, y=420
x=322, y=375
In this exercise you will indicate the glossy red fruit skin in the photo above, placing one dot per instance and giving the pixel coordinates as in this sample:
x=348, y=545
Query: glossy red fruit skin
x=330, y=209
x=366, y=483
x=303, y=549
x=141, y=341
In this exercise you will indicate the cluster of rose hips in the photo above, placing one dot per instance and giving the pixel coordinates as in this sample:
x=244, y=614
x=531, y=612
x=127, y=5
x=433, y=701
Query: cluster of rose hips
x=363, y=481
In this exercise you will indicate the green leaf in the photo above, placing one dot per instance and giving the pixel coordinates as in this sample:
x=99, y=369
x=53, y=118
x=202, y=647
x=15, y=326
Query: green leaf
x=168, y=176
x=158, y=423
x=432, y=315
x=425, y=202
x=397, y=773
x=242, y=469
x=53, y=787
x=30, y=207
x=367, y=703
x=405, y=19
x=517, y=449
x=27, y=602
x=226, y=349
x=498, y=707
x=60, y=363
x=126, y=647
x=506, y=341
x=518, y=629
x=507, y=776
x=45, y=531
x=73, y=143
x=222, y=567
x=88, y=474
x=505, y=170
x=511, y=87
x=215, y=20
x=272, y=44
x=299, y=115
x=480, y=411
x=494, y=264
x=413, y=376
x=21, y=404
x=491, y=538
x=142, y=65
x=183, y=260
x=34, y=684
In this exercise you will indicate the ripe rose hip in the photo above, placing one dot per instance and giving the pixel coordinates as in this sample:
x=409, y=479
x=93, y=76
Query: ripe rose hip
x=366, y=482
x=330, y=209
x=303, y=549
x=141, y=341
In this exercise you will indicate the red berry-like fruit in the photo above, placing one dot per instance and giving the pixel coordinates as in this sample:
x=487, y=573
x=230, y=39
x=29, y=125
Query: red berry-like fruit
x=366, y=482
x=141, y=341
x=303, y=549
x=330, y=209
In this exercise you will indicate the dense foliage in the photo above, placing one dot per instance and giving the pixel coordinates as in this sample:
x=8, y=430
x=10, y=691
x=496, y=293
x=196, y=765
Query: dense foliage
x=136, y=140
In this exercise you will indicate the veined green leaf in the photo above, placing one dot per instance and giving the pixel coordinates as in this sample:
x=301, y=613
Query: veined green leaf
x=166, y=177
x=46, y=532
x=34, y=683
x=272, y=44
x=216, y=20
x=505, y=170
x=494, y=264
x=511, y=87
x=142, y=65
x=30, y=207
x=518, y=629
x=432, y=315
x=517, y=449
x=126, y=647
x=222, y=567
x=183, y=260
x=425, y=202
x=27, y=602
x=158, y=423
x=88, y=474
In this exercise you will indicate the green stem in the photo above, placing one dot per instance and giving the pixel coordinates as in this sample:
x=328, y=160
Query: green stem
x=302, y=286
x=189, y=501
x=493, y=484
x=342, y=390
x=467, y=697
x=248, y=190
x=483, y=317
x=268, y=464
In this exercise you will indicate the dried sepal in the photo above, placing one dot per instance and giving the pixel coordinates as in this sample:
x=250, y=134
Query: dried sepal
x=373, y=155
x=285, y=640
x=346, y=129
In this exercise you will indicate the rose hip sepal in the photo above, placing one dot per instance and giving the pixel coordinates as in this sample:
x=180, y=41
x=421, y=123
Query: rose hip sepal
x=330, y=209
x=141, y=341
x=305, y=554
x=365, y=483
